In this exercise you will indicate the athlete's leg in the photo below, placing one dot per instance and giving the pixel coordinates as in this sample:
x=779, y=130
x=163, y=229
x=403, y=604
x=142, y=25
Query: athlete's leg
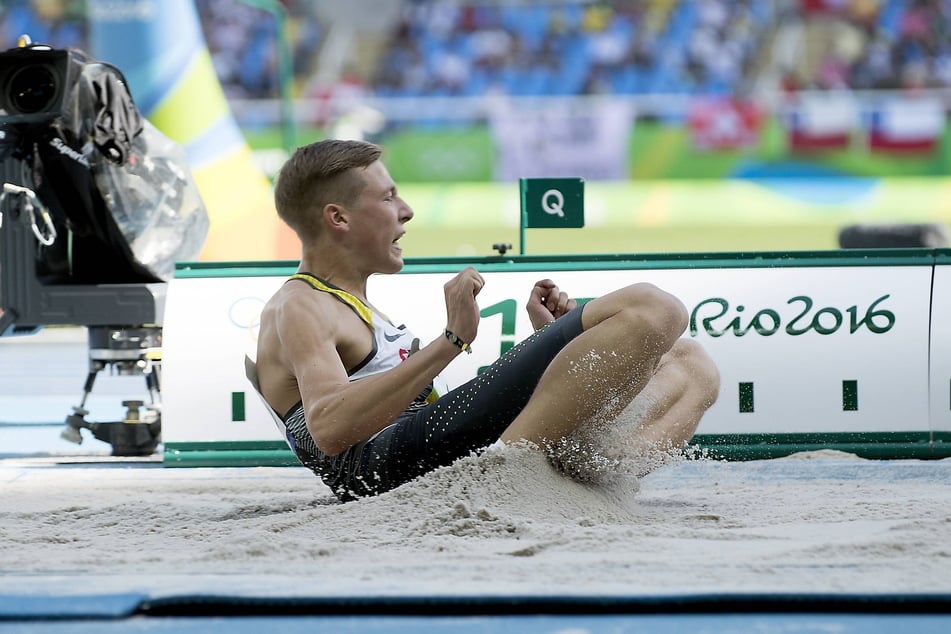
x=685, y=385
x=626, y=333
x=652, y=429
x=467, y=419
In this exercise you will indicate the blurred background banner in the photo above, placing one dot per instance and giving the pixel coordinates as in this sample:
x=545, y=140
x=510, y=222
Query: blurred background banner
x=724, y=124
x=820, y=122
x=912, y=124
x=696, y=124
x=559, y=139
x=160, y=47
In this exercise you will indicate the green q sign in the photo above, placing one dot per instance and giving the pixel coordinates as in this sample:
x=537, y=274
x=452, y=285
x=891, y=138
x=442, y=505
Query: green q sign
x=552, y=203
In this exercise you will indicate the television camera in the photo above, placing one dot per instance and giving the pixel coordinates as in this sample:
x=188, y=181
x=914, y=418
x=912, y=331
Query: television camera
x=97, y=206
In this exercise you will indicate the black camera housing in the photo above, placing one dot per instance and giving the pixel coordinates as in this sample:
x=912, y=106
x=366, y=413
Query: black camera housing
x=34, y=84
x=88, y=276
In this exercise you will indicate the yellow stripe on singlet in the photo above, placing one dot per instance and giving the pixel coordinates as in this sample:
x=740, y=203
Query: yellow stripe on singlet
x=347, y=298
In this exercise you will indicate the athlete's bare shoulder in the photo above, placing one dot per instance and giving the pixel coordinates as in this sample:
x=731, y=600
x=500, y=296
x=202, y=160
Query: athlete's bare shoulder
x=292, y=312
x=297, y=305
x=307, y=333
x=296, y=324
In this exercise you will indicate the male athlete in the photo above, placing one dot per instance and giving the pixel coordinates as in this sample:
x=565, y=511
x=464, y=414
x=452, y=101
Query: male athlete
x=354, y=391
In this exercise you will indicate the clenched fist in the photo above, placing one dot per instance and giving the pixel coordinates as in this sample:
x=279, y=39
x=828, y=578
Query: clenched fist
x=462, y=310
x=547, y=303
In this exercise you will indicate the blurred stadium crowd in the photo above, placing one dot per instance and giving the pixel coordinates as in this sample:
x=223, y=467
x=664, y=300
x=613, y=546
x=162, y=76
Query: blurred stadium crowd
x=412, y=48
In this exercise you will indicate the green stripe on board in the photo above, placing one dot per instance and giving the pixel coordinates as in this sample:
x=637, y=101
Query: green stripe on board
x=237, y=406
x=746, y=398
x=850, y=396
x=231, y=453
x=919, y=445
x=608, y=261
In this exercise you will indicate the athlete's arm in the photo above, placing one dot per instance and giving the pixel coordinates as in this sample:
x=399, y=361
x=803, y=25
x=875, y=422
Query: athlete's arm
x=341, y=413
x=547, y=303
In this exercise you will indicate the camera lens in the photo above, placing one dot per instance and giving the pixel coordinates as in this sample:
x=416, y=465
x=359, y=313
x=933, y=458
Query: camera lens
x=32, y=89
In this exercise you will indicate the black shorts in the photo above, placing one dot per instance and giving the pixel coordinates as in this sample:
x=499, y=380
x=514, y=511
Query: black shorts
x=465, y=420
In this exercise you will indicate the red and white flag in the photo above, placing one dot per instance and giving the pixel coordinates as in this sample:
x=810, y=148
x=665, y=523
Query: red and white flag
x=818, y=122
x=724, y=124
x=906, y=125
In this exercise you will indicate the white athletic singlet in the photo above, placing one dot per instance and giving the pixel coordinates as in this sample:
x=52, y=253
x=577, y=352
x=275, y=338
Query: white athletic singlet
x=391, y=344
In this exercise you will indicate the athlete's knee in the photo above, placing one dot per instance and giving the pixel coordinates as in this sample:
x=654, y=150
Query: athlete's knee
x=655, y=316
x=698, y=367
x=663, y=313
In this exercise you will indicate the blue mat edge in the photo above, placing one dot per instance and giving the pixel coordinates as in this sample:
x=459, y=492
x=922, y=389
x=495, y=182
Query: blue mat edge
x=120, y=606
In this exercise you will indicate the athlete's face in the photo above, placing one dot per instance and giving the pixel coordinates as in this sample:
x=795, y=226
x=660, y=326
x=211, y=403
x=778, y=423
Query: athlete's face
x=378, y=220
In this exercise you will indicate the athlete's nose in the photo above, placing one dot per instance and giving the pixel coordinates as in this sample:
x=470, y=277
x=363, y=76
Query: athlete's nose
x=406, y=211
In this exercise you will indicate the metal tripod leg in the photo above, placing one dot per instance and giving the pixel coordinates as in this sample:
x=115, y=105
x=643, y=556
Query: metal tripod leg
x=77, y=420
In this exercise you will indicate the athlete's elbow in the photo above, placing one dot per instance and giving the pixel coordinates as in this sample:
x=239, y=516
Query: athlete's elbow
x=331, y=444
x=329, y=441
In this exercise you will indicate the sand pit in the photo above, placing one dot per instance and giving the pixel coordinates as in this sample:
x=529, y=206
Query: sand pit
x=501, y=524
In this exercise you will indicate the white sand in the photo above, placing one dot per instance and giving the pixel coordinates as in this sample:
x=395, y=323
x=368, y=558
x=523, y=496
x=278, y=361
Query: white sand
x=502, y=524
